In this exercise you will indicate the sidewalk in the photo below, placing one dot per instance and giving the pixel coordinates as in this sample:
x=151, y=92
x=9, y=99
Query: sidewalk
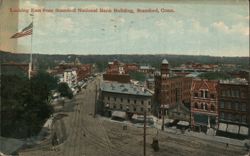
x=204, y=136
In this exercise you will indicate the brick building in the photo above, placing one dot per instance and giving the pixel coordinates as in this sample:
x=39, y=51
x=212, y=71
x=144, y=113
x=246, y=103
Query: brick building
x=124, y=97
x=204, y=104
x=234, y=107
x=166, y=88
x=131, y=67
x=82, y=70
x=125, y=78
x=119, y=72
x=115, y=68
x=147, y=69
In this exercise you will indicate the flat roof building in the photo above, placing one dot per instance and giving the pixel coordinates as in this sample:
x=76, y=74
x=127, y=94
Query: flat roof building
x=125, y=97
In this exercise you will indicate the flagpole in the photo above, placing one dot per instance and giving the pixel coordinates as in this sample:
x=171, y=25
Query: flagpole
x=31, y=41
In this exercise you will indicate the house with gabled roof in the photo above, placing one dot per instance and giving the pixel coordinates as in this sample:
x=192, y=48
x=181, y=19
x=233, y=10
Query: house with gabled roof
x=204, y=104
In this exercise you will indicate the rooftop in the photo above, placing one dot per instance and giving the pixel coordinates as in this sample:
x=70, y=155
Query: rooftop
x=124, y=88
x=165, y=61
x=198, y=84
x=151, y=79
x=193, y=74
x=236, y=81
x=146, y=67
x=70, y=70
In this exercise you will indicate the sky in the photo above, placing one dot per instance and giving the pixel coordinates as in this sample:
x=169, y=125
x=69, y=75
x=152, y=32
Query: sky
x=215, y=29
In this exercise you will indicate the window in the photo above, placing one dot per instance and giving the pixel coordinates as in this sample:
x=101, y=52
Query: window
x=196, y=105
x=237, y=93
x=135, y=101
x=206, y=94
x=237, y=118
x=134, y=109
x=222, y=104
x=228, y=105
x=121, y=107
x=128, y=100
x=142, y=102
x=228, y=93
x=233, y=117
x=202, y=106
x=225, y=116
x=195, y=94
x=142, y=109
x=206, y=107
x=115, y=98
x=243, y=107
x=149, y=109
x=127, y=108
x=233, y=106
x=244, y=118
x=242, y=94
x=233, y=93
x=212, y=108
x=149, y=103
x=223, y=93
x=121, y=99
x=212, y=96
x=222, y=115
x=230, y=117
x=202, y=93
x=236, y=106
x=114, y=106
x=108, y=98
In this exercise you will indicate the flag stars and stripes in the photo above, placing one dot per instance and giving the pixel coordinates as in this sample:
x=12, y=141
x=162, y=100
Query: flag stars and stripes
x=25, y=32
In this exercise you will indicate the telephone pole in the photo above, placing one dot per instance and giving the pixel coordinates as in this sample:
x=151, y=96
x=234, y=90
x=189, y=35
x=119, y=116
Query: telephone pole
x=162, y=115
x=95, y=100
x=144, y=133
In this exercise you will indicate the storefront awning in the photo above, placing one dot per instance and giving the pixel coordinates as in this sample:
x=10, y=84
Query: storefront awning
x=169, y=120
x=119, y=114
x=232, y=128
x=223, y=127
x=244, y=130
x=183, y=123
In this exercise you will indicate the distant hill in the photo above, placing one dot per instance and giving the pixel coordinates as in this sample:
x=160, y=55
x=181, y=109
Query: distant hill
x=46, y=60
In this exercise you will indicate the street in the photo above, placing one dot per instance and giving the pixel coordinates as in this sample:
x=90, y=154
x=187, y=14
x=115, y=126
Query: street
x=79, y=133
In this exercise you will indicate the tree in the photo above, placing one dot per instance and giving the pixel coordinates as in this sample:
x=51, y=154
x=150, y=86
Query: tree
x=65, y=91
x=24, y=104
x=139, y=76
x=101, y=65
x=215, y=76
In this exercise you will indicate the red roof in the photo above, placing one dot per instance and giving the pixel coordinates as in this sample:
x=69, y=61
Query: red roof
x=204, y=84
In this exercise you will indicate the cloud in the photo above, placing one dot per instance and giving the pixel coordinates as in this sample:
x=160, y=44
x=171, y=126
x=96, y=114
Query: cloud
x=221, y=26
x=170, y=25
x=239, y=28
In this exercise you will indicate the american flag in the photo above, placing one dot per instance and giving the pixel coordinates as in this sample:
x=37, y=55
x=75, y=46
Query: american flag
x=25, y=32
